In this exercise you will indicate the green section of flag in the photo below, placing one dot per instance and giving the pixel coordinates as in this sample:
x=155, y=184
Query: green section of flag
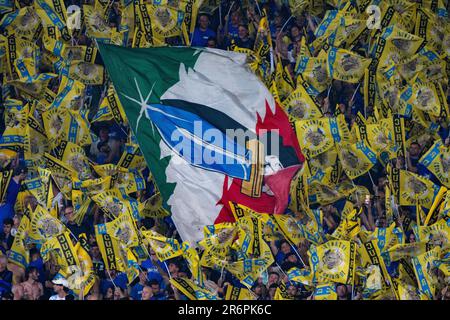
x=156, y=68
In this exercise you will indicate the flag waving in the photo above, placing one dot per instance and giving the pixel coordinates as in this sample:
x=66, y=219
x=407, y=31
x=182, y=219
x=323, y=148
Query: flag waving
x=208, y=128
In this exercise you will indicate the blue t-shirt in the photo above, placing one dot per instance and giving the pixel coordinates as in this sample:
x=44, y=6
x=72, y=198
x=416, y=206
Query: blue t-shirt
x=120, y=281
x=7, y=209
x=136, y=291
x=152, y=272
x=200, y=38
x=233, y=31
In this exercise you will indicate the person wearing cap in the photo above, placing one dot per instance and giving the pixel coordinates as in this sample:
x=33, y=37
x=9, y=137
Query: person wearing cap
x=60, y=286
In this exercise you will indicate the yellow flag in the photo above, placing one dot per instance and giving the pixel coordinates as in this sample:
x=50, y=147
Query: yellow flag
x=283, y=80
x=44, y=226
x=334, y=261
x=394, y=130
x=87, y=73
x=62, y=247
x=325, y=291
x=123, y=229
x=166, y=21
x=423, y=269
x=407, y=250
x=409, y=188
x=81, y=276
x=218, y=239
x=437, y=160
x=152, y=207
x=110, y=108
x=109, y=248
x=115, y=203
x=249, y=270
x=236, y=293
x=165, y=248
x=425, y=98
x=316, y=135
x=191, y=256
x=301, y=106
x=349, y=32
x=249, y=236
x=281, y=292
x=314, y=72
x=25, y=22
x=96, y=25
x=346, y=66
x=191, y=290
x=356, y=159
x=74, y=157
x=437, y=234
x=19, y=253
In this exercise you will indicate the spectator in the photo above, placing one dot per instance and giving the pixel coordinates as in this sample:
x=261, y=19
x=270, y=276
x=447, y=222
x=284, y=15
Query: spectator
x=136, y=290
x=30, y=289
x=7, y=208
x=157, y=293
x=6, y=237
x=414, y=156
x=243, y=39
x=74, y=228
x=147, y=293
x=212, y=43
x=120, y=294
x=60, y=287
x=202, y=33
x=6, y=277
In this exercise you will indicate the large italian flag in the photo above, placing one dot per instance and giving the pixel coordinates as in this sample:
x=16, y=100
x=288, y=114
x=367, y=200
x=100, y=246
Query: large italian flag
x=188, y=109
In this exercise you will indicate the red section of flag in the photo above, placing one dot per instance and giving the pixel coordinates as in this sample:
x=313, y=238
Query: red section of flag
x=280, y=121
x=279, y=183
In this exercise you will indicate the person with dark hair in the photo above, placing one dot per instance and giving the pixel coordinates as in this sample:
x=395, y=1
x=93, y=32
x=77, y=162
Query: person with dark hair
x=97, y=260
x=158, y=294
x=109, y=292
x=280, y=251
x=342, y=292
x=7, y=208
x=413, y=156
x=31, y=288
x=212, y=42
x=291, y=261
x=202, y=33
x=104, y=151
x=72, y=225
x=243, y=39
x=6, y=238
x=136, y=290
x=120, y=293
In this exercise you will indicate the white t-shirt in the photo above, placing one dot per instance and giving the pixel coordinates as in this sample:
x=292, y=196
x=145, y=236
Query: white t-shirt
x=56, y=297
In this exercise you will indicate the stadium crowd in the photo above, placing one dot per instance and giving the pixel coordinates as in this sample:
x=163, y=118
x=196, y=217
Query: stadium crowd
x=230, y=23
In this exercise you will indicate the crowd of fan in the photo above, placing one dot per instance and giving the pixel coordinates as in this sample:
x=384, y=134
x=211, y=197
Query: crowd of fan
x=37, y=281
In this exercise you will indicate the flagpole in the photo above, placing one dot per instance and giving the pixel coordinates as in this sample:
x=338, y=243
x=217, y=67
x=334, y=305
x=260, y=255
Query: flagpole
x=281, y=269
x=110, y=278
x=168, y=271
x=257, y=6
x=296, y=252
x=285, y=24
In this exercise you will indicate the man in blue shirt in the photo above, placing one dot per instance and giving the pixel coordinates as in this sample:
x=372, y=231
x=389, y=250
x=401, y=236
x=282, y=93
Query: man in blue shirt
x=136, y=290
x=7, y=208
x=202, y=33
